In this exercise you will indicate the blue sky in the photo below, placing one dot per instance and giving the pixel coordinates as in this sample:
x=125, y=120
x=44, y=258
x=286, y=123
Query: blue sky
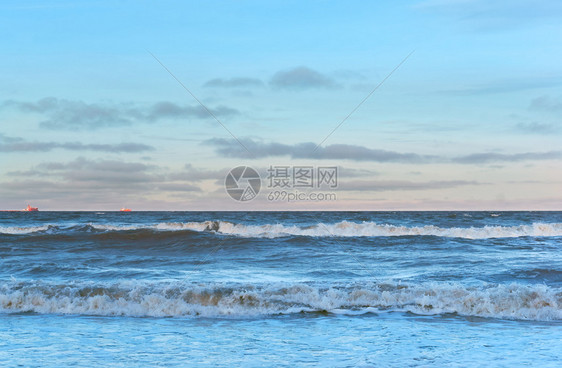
x=471, y=120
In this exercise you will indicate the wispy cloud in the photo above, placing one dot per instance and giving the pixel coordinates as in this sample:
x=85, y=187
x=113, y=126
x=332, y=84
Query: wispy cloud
x=394, y=185
x=16, y=144
x=64, y=114
x=191, y=173
x=240, y=82
x=297, y=78
x=102, y=172
x=79, y=115
x=162, y=110
x=506, y=86
x=482, y=158
x=348, y=172
x=537, y=128
x=101, y=181
x=301, y=78
x=231, y=148
x=546, y=103
x=482, y=15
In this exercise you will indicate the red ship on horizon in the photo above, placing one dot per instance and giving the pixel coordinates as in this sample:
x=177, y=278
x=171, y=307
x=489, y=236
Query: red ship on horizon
x=30, y=209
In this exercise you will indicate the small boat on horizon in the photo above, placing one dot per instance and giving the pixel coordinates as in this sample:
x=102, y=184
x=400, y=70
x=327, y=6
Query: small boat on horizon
x=125, y=210
x=30, y=209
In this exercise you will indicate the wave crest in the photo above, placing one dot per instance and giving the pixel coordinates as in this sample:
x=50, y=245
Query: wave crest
x=371, y=229
x=515, y=301
x=340, y=229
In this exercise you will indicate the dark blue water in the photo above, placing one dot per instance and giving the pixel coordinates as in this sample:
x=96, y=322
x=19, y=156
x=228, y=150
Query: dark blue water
x=318, y=288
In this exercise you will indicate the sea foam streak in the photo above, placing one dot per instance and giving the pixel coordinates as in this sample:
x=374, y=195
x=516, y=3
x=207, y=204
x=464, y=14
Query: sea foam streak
x=371, y=229
x=340, y=229
x=135, y=298
x=17, y=230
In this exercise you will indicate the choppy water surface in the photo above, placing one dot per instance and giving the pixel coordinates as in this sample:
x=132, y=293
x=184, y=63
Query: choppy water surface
x=332, y=288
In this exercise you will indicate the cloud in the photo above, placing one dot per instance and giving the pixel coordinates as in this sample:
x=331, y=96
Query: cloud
x=482, y=15
x=177, y=187
x=301, y=78
x=16, y=144
x=297, y=78
x=233, y=83
x=231, y=148
x=101, y=165
x=63, y=114
x=107, y=173
x=393, y=185
x=82, y=175
x=112, y=172
x=162, y=110
x=546, y=103
x=537, y=128
x=359, y=153
x=507, y=86
x=191, y=173
x=79, y=115
x=352, y=173
x=25, y=146
x=482, y=158
x=99, y=181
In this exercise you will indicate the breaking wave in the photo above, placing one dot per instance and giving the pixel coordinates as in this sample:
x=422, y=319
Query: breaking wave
x=15, y=230
x=340, y=229
x=371, y=229
x=176, y=299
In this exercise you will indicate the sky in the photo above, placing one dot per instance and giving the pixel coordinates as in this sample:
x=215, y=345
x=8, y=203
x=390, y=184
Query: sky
x=421, y=105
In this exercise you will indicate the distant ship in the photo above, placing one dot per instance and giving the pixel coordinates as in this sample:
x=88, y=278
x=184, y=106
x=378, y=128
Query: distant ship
x=30, y=209
x=125, y=210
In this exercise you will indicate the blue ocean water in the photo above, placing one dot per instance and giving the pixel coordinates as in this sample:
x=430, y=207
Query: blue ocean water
x=281, y=288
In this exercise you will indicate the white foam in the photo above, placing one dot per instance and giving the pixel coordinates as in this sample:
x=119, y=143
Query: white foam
x=340, y=229
x=371, y=229
x=23, y=230
x=515, y=301
x=112, y=227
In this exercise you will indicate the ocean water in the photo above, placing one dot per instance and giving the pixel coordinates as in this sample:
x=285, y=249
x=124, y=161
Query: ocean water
x=281, y=288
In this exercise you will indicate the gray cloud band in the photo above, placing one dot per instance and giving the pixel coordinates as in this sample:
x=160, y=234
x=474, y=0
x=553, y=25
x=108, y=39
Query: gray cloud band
x=230, y=148
x=301, y=78
x=241, y=82
x=79, y=115
x=16, y=144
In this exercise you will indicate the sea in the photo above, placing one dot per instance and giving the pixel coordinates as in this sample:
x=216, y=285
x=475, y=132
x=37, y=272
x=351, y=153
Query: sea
x=252, y=289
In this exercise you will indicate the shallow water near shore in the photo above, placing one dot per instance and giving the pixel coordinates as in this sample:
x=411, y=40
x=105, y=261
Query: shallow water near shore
x=281, y=288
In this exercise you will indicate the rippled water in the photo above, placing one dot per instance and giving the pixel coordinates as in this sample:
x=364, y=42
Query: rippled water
x=332, y=288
